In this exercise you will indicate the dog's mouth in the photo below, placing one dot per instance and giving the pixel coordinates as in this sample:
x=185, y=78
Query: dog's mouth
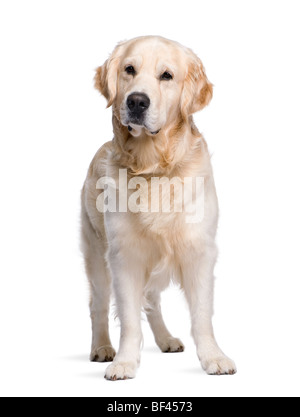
x=136, y=121
x=136, y=128
x=130, y=129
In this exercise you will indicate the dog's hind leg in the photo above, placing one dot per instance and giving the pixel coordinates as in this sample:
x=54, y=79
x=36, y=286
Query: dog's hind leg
x=165, y=341
x=100, y=292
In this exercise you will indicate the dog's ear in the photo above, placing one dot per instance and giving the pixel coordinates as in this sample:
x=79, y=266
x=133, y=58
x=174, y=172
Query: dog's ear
x=107, y=76
x=197, y=90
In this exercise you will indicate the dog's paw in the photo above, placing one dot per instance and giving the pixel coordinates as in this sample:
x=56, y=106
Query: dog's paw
x=103, y=354
x=171, y=345
x=219, y=366
x=120, y=371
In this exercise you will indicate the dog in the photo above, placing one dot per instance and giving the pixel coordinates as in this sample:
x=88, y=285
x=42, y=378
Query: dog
x=154, y=86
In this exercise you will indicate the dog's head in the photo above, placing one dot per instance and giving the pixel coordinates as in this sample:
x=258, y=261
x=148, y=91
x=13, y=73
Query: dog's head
x=151, y=81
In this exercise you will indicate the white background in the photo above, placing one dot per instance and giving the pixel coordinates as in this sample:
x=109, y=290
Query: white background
x=52, y=123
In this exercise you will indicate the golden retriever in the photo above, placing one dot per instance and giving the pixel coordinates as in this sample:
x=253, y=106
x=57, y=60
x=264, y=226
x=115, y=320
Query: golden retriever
x=154, y=85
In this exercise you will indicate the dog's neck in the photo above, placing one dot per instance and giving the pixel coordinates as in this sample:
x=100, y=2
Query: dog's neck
x=159, y=154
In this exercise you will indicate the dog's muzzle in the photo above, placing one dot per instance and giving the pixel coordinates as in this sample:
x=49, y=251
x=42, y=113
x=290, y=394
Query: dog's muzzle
x=137, y=105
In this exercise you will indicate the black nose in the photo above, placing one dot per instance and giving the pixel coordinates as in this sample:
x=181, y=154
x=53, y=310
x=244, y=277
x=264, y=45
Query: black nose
x=138, y=103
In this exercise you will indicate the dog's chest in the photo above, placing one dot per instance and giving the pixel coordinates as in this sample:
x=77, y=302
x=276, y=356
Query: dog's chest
x=167, y=206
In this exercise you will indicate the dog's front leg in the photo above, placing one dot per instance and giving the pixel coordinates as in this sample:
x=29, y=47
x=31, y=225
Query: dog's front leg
x=198, y=283
x=128, y=280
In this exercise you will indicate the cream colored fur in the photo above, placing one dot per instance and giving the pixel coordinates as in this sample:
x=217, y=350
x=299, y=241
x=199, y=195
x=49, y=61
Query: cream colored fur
x=137, y=254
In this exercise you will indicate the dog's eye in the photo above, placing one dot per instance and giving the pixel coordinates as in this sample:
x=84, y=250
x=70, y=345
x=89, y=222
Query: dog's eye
x=166, y=76
x=130, y=70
